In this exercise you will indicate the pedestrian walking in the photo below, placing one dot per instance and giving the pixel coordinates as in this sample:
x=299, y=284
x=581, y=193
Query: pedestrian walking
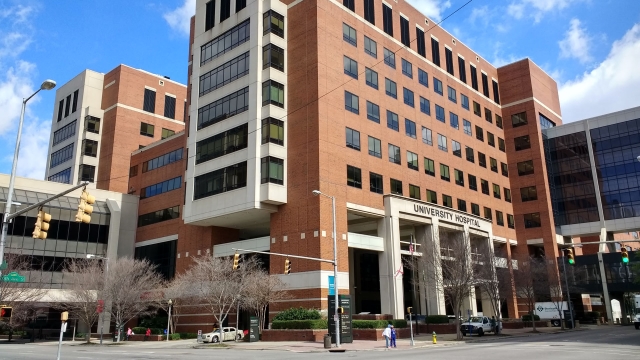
x=129, y=333
x=393, y=336
x=147, y=334
x=386, y=333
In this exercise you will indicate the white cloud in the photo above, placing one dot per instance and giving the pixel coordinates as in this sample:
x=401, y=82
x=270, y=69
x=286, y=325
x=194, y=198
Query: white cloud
x=32, y=161
x=433, y=9
x=611, y=86
x=536, y=8
x=179, y=19
x=480, y=13
x=576, y=43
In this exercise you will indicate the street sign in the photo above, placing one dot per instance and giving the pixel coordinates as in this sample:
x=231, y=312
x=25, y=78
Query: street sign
x=332, y=285
x=344, y=319
x=3, y=266
x=254, y=329
x=13, y=277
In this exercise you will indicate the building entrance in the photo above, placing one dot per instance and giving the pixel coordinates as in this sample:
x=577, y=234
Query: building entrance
x=366, y=281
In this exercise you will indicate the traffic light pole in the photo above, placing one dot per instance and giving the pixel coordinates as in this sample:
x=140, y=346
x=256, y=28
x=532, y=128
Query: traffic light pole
x=564, y=270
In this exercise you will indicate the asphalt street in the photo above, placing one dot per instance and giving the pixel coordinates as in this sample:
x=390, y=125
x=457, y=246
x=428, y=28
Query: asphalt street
x=603, y=342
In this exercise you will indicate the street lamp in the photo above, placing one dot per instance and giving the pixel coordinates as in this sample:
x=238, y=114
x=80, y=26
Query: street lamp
x=335, y=264
x=169, y=321
x=46, y=85
x=106, y=261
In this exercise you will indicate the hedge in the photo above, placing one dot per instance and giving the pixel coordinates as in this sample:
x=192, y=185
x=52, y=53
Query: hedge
x=528, y=317
x=378, y=324
x=139, y=330
x=174, y=336
x=437, y=319
x=299, y=324
x=298, y=314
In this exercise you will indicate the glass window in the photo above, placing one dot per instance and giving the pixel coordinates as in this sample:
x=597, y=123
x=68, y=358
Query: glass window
x=375, y=183
x=169, y=158
x=396, y=187
x=470, y=154
x=272, y=170
x=387, y=20
x=476, y=109
x=410, y=128
x=525, y=168
x=462, y=205
x=453, y=121
x=501, y=145
x=507, y=195
x=375, y=147
x=494, y=164
x=448, y=58
x=234, y=69
x=432, y=196
x=439, y=113
x=412, y=160
x=464, y=100
x=227, y=41
x=488, y=116
x=488, y=214
x=437, y=86
x=272, y=131
x=133, y=171
x=373, y=112
x=349, y=34
x=351, y=102
x=146, y=129
x=458, y=177
x=272, y=93
x=505, y=169
x=167, y=133
x=519, y=119
x=499, y=218
x=522, y=142
x=404, y=31
x=479, y=133
x=452, y=94
x=475, y=209
x=447, y=201
x=89, y=147
x=389, y=57
x=148, y=105
x=407, y=68
x=353, y=139
x=545, y=123
x=92, y=124
x=354, y=177
x=473, y=184
x=457, y=148
x=425, y=106
x=87, y=172
x=484, y=185
x=467, y=127
x=370, y=47
x=532, y=220
x=159, y=216
x=392, y=121
x=499, y=121
x=390, y=88
x=491, y=140
x=215, y=146
x=161, y=187
x=408, y=96
x=349, y=4
x=426, y=136
x=414, y=192
x=528, y=193
x=444, y=172
x=482, y=160
x=496, y=191
x=273, y=23
x=394, y=154
x=442, y=143
x=423, y=77
x=511, y=221
x=435, y=51
x=371, y=78
x=63, y=176
x=66, y=132
x=350, y=67
x=429, y=167
x=234, y=104
x=221, y=180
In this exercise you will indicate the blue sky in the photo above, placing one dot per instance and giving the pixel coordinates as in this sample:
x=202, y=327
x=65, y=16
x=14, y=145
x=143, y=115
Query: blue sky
x=591, y=48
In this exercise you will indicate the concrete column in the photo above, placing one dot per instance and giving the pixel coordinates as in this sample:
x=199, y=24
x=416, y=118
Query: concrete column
x=391, y=289
x=605, y=289
x=428, y=238
x=352, y=280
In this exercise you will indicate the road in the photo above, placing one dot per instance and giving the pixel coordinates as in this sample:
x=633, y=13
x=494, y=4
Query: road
x=603, y=342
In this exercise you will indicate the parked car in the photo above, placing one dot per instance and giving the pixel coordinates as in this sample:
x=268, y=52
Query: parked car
x=228, y=333
x=636, y=321
x=476, y=325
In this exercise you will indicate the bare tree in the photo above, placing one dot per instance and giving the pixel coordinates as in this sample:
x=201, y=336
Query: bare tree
x=84, y=280
x=488, y=279
x=133, y=288
x=529, y=282
x=260, y=289
x=176, y=291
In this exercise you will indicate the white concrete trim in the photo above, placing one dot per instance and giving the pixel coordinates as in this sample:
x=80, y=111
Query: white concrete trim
x=365, y=210
x=448, y=47
x=157, y=240
x=294, y=3
x=257, y=244
x=433, y=37
x=404, y=16
x=150, y=88
x=513, y=242
x=461, y=57
x=312, y=279
x=386, y=3
x=499, y=239
x=160, y=77
x=483, y=72
x=141, y=112
x=109, y=84
x=537, y=241
x=419, y=27
x=367, y=242
x=534, y=99
x=171, y=95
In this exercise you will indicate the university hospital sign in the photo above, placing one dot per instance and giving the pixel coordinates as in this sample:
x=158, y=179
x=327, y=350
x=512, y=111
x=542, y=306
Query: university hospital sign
x=446, y=215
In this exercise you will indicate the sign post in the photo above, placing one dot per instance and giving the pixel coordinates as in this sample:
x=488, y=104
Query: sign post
x=199, y=336
x=343, y=320
x=254, y=329
x=63, y=317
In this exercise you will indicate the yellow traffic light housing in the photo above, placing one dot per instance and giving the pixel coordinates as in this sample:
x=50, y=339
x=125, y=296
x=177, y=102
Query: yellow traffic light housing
x=42, y=225
x=625, y=254
x=86, y=207
x=287, y=266
x=5, y=313
x=570, y=259
x=236, y=260
x=409, y=310
x=341, y=310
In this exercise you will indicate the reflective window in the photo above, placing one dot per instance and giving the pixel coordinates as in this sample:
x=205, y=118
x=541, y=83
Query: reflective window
x=426, y=136
x=224, y=108
x=545, y=123
x=429, y=167
x=159, y=216
x=64, y=133
x=163, y=160
x=272, y=56
x=351, y=102
x=412, y=160
x=375, y=183
x=272, y=131
x=272, y=23
x=350, y=67
x=161, y=187
x=371, y=78
x=272, y=93
x=370, y=47
x=61, y=156
x=232, y=70
x=349, y=34
x=221, y=180
x=354, y=177
x=272, y=170
x=373, y=112
x=353, y=139
x=225, y=42
x=375, y=147
x=394, y=154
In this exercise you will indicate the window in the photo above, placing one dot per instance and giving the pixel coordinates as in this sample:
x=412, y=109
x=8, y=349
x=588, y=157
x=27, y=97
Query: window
x=165, y=159
x=92, y=124
x=348, y=33
x=474, y=77
x=462, y=69
x=146, y=129
x=496, y=191
x=476, y=109
x=349, y=4
x=230, y=105
x=473, y=184
x=390, y=88
x=375, y=183
x=525, y=168
x=458, y=177
x=467, y=127
x=488, y=214
x=437, y=86
x=482, y=160
x=61, y=156
x=74, y=106
x=353, y=139
x=491, y=140
x=404, y=31
x=420, y=45
x=387, y=20
x=272, y=170
x=494, y=164
x=354, y=177
x=272, y=56
x=432, y=196
x=86, y=172
x=412, y=160
x=507, y=195
x=435, y=52
x=423, y=77
x=272, y=23
x=457, y=148
x=462, y=205
x=429, y=167
x=389, y=58
x=504, y=169
x=225, y=9
x=167, y=133
x=531, y=220
x=210, y=15
x=475, y=209
x=452, y=94
x=350, y=67
x=64, y=133
x=234, y=69
x=394, y=154
x=545, y=123
x=444, y=172
x=464, y=100
x=227, y=41
x=392, y=121
x=453, y=121
x=373, y=112
x=272, y=131
x=470, y=155
x=149, y=101
x=439, y=113
x=479, y=133
x=408, y=97
x=133, y=171
x=272, y=93
x=528, y=193
x=414, y=192
x=499, y=121
x=89, y=147
x=161, y=188
x=410, y=128
x=370, y=46
x=369, y=12
x=407, y=68
x=501, y=145
x=485, y=85
x=519, y=119
x=522, y=142
x=351, y=102
x=496, y=95
x=396, y=187
x=426, y=136
x=511, y=221
x=67, y=106
x=60, y=112
x=425, y=106
x=442, y=143
x=63, y=176
x=484, y=185
x=240, y=4
x=488, y=116
x=447, y=201
x=375, y=147
x=159, y=216
x=499, y=218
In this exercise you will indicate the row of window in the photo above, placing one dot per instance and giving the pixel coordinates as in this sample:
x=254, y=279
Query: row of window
x=159, y=216
x=149, y=104
x=162, y=160
x=63, y=176
x=221, y=180
x=161, y=187
x=64, y=133
x=221, y=144
x=87, y=172
x=89, y=147
x=225, y=11
x=226, y=42
x=67, y=106
x=221, y=109
x=224, y=74
x=61, y=156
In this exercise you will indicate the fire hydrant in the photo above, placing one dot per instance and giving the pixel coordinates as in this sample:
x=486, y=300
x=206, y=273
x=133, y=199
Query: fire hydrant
x=434, y=338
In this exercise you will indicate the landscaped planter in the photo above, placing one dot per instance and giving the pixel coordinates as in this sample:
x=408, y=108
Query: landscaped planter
x=315, y=335
x=140, y=337
x=438, y=328
x=376, y=334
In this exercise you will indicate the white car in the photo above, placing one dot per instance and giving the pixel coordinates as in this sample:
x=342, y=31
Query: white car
x=228, y=333
x=479, y=325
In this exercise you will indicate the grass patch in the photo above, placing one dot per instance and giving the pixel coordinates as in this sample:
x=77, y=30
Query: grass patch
x=217, y=346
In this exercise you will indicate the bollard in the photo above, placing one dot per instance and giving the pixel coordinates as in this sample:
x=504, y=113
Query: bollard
x=434, y=338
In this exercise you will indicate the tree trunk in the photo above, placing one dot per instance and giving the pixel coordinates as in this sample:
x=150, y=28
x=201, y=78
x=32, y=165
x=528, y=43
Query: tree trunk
x=533, y=320
x=561, y=319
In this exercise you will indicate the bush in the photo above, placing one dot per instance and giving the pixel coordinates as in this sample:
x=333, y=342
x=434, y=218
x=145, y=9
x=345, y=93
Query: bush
x=528, y=317
x=378, y=324
x=437, y=319
x=298, y=314
x=174, y=337
x=139, y=330
x=184, y=336
x=154, y=322
x=299, y=324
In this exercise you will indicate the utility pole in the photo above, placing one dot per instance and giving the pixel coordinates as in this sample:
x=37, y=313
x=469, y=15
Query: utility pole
x=564, y=269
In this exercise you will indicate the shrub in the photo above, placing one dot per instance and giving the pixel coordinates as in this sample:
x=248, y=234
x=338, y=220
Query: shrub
x=139, y=330
x=174, y=337
x=378, y=324
x=437, y=319
x=299, y=324
x=298, y=314
x=188, y=335
x=154, y=322
x=528, y=317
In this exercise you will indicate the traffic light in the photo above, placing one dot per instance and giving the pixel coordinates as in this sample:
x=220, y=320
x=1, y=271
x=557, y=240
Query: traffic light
x=625, y=254
x=287, y=267
x=570, y=259
x=409, y=310
x=5, y=313
x=64, y=316
x=85, y=208
x=236, y=260
x=100, y=307
x=341, y=310
x=42, y=225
